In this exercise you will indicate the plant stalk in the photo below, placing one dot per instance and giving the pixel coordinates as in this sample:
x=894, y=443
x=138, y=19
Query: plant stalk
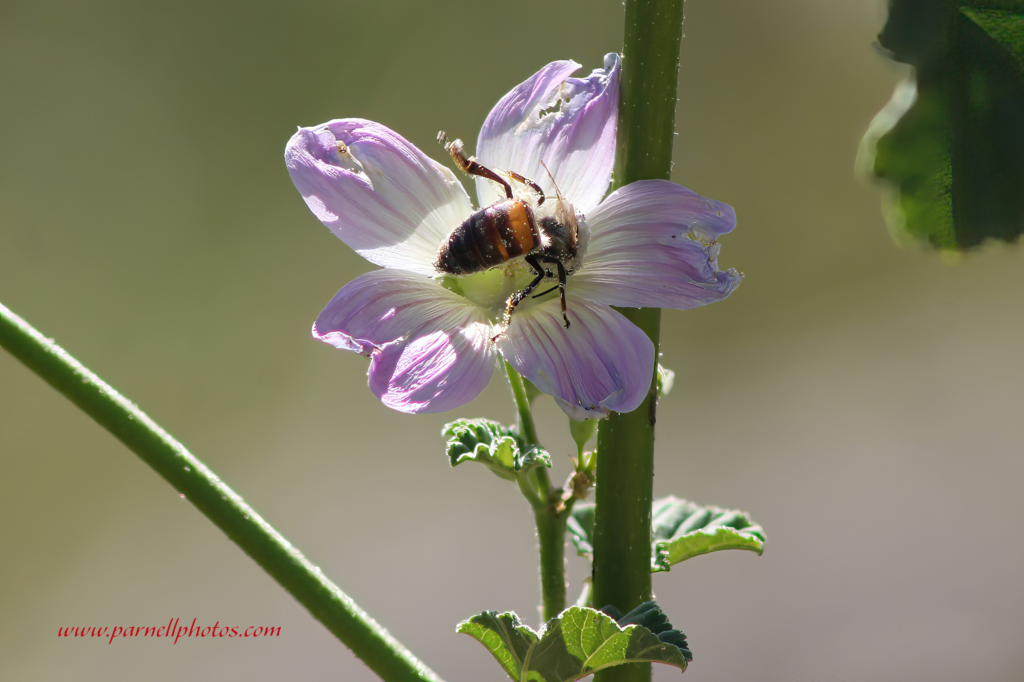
x=527, y=429
x=551, y=537
x=551, y=520
x=625, y=442
x=211, y=496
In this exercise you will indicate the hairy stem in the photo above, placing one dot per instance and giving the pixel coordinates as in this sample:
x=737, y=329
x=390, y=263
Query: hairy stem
x=527, y=429
x=551, y=536
x=211, y=496
x=625, y=442
x=551, y=518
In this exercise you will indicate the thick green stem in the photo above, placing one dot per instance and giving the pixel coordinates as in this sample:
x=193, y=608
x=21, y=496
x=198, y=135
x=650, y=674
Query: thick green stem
x=551, y=518
x=219, y=503
x=647, y=91
x=625, y=442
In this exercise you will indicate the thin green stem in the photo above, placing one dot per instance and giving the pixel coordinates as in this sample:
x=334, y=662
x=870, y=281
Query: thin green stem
x=625, y=442
x=527, y=429
x=551, y=537
x=549, y=512
x=211, y=496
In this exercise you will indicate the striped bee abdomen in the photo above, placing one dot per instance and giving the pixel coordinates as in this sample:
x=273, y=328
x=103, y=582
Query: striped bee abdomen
x=490, y=237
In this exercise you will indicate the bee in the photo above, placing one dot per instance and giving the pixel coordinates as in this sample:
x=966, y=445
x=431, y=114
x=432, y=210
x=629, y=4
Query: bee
x=521, y=226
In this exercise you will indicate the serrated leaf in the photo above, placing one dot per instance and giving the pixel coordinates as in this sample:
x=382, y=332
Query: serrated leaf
x=493, y=445
x=578, y=642
x=505, y=636
x=951, y=141
x=680, y=530
x=650, y=616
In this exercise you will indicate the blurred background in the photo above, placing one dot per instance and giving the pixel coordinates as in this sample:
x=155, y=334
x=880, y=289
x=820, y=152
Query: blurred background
x=863, y=402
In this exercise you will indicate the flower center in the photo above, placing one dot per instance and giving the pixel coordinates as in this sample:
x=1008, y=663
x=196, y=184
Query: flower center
x=491, y=289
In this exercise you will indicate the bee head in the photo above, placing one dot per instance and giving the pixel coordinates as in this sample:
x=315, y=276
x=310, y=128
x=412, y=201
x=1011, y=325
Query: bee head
x=560, y=229
x=560, y=234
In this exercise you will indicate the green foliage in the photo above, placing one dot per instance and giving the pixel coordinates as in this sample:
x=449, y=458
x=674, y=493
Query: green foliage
x=497, y=447
x=682, y=530
x=951, y=142
x=679, y=530
x=650, y=616
x=581, y=528
x=578, y=642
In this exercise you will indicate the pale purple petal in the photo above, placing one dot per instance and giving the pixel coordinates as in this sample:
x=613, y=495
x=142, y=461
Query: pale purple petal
x=376, y=191
x=569, y=123
x=653, y=244
x=601, y=362
x=430, y=349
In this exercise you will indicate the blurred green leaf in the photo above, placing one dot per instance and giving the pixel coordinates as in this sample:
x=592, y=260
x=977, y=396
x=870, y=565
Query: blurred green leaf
x=578, y=642
x=493, y=445
x=951, y=140
x=581, y=528
x=679, y=530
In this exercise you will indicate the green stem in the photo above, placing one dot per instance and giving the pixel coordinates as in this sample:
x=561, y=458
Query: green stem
x=527, y=429
x=625, y=442
x=551, y=521
x=551, y=537
x=211, y=496
x=529, y=489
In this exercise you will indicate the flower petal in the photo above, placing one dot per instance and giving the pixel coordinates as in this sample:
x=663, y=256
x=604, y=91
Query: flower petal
x=569, y=123
x=653, y=244
x=430, y=349
x=376, y=191
x=601, y=362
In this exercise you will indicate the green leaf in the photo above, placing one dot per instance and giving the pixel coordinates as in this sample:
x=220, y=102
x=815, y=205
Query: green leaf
x=581, y=528
x=505, y=636
x=679, y=530
x=951, y=140
x=650, y=616
x=578, y=642
x=682, y=530
x=498, y=448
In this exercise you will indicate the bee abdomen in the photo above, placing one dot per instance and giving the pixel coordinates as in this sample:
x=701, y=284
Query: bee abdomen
x=488, y=238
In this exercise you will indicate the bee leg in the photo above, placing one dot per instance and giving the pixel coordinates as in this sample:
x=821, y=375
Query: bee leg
x=562, y=277
x=470, y=165
x=546, y=291
x=518, y=297
x=533, y=185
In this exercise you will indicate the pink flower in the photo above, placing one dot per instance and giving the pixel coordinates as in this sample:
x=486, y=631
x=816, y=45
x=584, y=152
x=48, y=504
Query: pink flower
x=430, y=336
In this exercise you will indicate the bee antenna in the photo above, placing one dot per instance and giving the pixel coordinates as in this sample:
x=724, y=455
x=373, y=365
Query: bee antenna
x=558, y=193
